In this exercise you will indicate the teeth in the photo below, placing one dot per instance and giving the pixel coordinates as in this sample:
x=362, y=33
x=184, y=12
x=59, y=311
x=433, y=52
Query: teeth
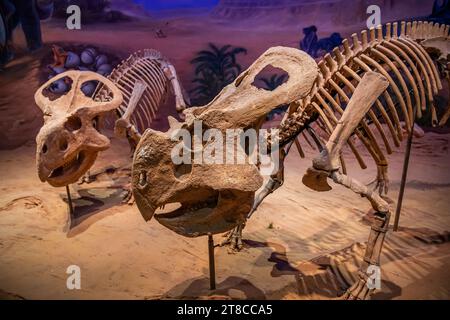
x=197, y=206
x=186, y=208
x=168, y=207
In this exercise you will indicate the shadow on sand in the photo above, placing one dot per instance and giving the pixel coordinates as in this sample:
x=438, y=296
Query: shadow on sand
x=89, y=207
x=231, y=288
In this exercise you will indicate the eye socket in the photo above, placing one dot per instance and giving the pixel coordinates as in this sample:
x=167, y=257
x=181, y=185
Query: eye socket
x=63, y=144
x=95, y=122
x=73, y=123
x=44, y=149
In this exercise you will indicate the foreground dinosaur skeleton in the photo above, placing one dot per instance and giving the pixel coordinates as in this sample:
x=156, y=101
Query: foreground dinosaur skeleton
x=215, y=197
x=70, y=139
x=380, y=78
x=341, y=96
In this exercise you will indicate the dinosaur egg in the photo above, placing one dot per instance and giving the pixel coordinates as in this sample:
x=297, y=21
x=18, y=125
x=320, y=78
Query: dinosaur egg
x=57, y=70
x=59, y=86
x=100, y=60
x=88, y=56
x=104, y=69
x=72, y=60
x=88, y=88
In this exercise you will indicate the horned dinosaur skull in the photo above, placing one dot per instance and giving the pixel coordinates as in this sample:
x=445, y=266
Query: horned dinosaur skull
x=213, y=198
x=69, y=140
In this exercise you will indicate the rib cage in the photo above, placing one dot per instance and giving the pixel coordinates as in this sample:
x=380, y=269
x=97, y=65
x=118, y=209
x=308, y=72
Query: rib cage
x=146, y=65
x=413, y=80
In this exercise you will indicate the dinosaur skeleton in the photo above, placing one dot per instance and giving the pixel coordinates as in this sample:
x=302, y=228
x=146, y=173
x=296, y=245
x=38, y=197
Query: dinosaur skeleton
x=217, y=198
x=413, y=80
x=69, y=141
x=380, y=78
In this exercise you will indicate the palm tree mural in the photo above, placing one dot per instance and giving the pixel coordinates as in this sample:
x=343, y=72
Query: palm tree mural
x=274, y=81
x=271, y=83
x=214, y=69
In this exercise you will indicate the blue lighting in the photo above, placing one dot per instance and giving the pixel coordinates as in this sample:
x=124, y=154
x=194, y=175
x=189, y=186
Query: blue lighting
x=176, y=4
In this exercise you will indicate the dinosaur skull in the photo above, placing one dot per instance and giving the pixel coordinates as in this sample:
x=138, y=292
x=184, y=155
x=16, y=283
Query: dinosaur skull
x=206, y=194
x=69, y=140
x=201, y=198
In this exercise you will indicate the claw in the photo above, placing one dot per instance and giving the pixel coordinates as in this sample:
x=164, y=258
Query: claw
x=358, y=291
x=234, y=239
x=381, y=182
x=87, y=178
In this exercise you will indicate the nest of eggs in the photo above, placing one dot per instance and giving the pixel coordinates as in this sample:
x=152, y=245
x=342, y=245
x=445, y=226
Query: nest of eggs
x=76, y=57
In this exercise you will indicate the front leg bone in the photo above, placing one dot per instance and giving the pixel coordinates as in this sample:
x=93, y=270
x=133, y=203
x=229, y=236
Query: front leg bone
x=365, y=95
x=276, y=180
x=123, y=128
x=171, y=75
x=327, y=165
x=234, y=239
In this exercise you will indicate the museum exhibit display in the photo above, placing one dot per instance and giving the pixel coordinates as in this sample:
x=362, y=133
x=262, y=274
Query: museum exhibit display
x=225, y=150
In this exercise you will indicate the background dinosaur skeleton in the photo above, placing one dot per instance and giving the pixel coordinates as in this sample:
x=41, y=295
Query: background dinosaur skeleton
x=66, y=145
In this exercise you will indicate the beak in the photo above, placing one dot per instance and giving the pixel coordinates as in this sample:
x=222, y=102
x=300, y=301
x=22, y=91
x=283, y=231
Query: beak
x=43, y=172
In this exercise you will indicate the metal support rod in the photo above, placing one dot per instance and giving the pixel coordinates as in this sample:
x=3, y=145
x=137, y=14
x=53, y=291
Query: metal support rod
x=212, y=271
x=404, y=174
x=69, y=201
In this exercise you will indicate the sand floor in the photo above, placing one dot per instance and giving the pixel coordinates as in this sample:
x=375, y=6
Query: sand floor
x=311, y=251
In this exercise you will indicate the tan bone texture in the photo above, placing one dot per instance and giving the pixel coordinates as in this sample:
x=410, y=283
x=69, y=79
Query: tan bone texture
x=69, y=140
x=241, y=104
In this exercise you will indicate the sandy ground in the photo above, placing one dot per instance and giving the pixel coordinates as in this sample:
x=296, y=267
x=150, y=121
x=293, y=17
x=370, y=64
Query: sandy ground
x=311, y=250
